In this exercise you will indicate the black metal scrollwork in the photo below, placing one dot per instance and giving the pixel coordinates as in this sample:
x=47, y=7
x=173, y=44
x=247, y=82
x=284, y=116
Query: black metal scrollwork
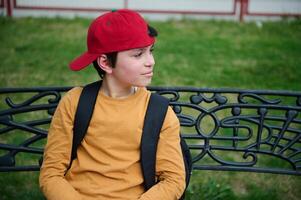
x=27, y=124
x=226, y=129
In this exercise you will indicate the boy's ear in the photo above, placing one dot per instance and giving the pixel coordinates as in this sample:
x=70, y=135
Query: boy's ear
x=104, y=63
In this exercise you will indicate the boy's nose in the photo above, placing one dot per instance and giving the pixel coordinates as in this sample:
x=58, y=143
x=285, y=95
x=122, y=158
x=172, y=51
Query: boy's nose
x=150, y=61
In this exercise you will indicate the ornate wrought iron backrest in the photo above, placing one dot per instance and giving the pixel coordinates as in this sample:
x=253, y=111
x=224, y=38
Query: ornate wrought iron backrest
x=226, y=129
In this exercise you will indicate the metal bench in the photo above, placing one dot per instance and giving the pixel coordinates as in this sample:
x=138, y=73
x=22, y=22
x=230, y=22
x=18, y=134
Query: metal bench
x=226, y=129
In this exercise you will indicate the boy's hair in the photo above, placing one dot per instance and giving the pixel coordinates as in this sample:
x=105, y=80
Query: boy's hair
x=112, y=57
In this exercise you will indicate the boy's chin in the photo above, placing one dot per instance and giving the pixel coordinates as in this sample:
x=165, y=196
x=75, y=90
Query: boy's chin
x=143, y=84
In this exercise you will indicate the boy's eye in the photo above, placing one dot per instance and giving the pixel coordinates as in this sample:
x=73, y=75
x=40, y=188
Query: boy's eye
x=138, y=54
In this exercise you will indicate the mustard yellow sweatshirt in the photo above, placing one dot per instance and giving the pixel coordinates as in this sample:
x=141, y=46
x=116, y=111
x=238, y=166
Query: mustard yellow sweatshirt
x=108, y=159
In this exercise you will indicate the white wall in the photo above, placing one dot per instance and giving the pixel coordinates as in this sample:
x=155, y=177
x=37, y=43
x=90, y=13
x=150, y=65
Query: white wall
x=275, y=6
x=155, y=9
x=183, y=5
x=102, y=4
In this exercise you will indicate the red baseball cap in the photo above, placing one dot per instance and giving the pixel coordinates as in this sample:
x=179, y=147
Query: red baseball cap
x=112, y=32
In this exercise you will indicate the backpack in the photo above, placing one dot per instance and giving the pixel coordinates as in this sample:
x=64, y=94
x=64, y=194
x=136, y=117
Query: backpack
x=153, y=122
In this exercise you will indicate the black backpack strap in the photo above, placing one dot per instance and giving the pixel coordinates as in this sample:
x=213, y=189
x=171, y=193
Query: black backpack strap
x=83, y=115
x=153, y=121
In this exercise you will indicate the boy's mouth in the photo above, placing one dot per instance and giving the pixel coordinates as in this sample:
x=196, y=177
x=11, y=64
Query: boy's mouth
x=150, y=73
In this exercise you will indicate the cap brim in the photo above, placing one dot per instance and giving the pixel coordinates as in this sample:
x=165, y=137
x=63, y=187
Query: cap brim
x=82, y=61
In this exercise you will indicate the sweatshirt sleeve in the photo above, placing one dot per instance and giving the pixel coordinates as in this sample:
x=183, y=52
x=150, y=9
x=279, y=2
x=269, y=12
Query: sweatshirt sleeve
x=170, y=169
x=57, y=151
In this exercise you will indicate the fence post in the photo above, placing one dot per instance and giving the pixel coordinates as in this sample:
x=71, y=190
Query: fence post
x=8, y=5
x=244, y=4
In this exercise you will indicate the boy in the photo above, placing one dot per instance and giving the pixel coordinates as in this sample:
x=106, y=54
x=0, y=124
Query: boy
x=120, y=45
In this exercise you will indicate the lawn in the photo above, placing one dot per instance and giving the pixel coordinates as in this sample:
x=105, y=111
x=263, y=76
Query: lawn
x=36, y=52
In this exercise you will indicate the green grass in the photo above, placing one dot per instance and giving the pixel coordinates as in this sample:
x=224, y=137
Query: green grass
x=195, y=53
x=220, y=185
x=36, y=52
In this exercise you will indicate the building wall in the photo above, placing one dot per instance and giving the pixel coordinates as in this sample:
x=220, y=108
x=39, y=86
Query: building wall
x=157, y=9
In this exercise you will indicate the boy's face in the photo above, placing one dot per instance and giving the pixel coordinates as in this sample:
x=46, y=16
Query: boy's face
x=135, y=67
